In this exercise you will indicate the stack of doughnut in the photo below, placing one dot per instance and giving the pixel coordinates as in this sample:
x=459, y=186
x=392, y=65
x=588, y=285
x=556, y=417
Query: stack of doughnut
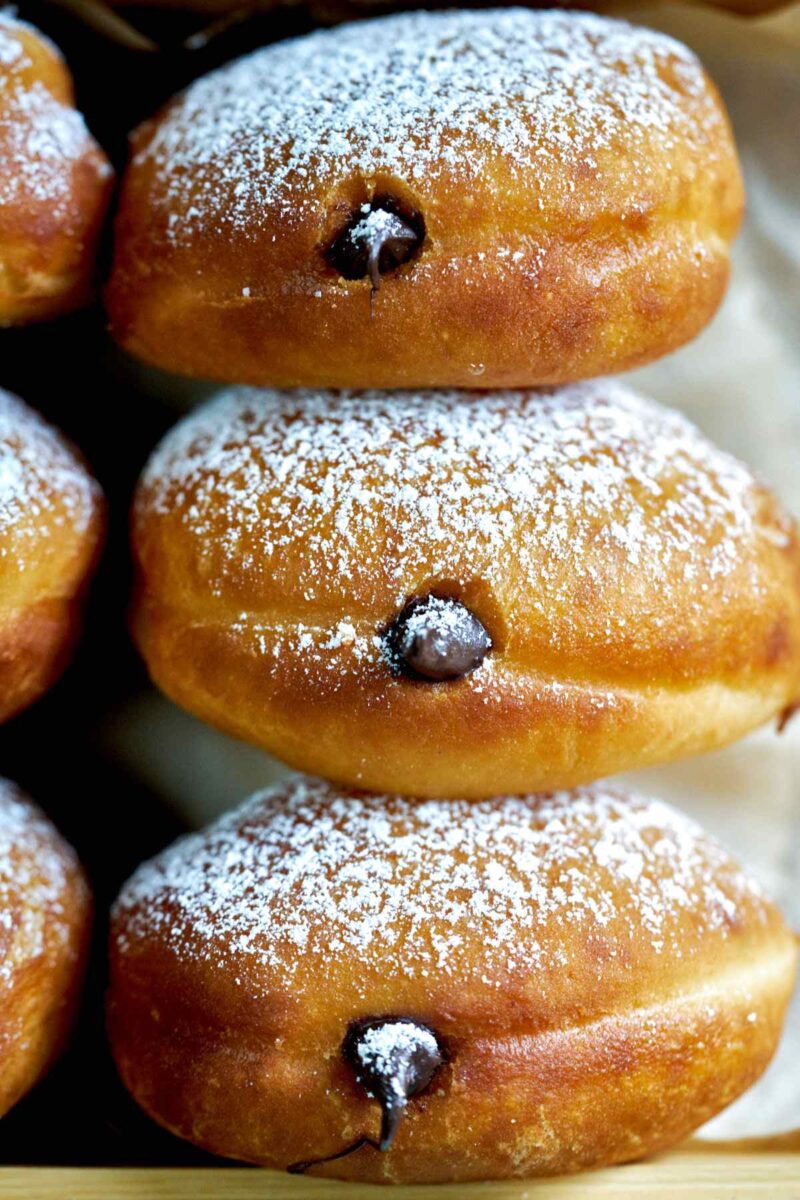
x=446, y=953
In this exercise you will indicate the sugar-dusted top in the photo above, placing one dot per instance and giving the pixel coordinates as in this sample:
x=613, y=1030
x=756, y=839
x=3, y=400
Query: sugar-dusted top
x=439, y=887
x=342, y=500
x=34, y=875
x=44, y=487
x=40, y=137
x=12, y=54
x=421, y=95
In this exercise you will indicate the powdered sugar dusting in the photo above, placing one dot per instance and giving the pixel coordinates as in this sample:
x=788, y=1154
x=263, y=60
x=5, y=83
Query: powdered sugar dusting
x=422, y=95
x=336, y=496
x=375, y=223
x=33, y=881
x=411, y=888
x=40, y=138
x=11, y=52
x=43, y=486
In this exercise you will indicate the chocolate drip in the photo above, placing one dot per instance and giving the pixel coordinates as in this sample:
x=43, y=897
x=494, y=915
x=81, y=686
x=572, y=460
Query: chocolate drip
x=394, y=1058
x=379, y=237
x=437, y=639
x=787, y=714
x=300, y=1168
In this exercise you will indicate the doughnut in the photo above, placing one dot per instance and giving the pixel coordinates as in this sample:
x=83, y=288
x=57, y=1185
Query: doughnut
x=55, y=182
x=408, y=991
x=44, y=935
x=51, y=527
x=464, y=593
x=432, y=199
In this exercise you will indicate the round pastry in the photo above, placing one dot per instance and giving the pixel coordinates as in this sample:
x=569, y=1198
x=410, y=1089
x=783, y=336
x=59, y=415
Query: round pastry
x=54, y=182
x=482, y=198
x=464, y=593
x=374, y=988
x=44, y=934
x=51, y=525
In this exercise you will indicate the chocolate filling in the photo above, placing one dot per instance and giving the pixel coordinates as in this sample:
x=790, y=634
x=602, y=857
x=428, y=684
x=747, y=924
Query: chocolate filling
x=300, y=1168
x=393, y=1058
x=436, y=638
x=379, y=237
x=788, y=714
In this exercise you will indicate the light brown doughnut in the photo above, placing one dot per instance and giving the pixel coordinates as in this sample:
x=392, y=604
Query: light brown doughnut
x=55, y=182
x=44, y=933
x=640, y=588
x=51, y=527
x=601, y=976
x=576, y=178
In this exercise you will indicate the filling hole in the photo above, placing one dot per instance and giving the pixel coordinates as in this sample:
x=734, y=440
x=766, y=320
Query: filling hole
x=380, y=236
x=436, y=638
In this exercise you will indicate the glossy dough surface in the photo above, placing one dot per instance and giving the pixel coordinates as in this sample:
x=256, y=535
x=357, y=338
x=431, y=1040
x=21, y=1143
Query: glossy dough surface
x=604, y=978
x=44, y=933
x=641, y=589
x=54, y=182
x=51, y=525
x=576, y=175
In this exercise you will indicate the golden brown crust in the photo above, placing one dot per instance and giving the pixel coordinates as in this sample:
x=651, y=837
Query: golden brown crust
x=642, y=590
x=597, y=243
x=581, y=1098
x=55, y=182
x=43, y=943
x=638, y=986
x=51, y=527
x=529, y=732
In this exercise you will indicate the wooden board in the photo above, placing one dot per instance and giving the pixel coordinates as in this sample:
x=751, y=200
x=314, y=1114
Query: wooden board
x=699, y=1171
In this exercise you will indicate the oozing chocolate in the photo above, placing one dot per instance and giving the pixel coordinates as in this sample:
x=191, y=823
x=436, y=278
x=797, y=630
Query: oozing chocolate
x=788, y=714
x=300, y=1168
x=394, y=1058
x=436, y=638
x=380, y=236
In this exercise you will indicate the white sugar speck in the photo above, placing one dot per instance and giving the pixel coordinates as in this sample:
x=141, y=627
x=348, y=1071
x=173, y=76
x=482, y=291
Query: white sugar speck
x=338, y=497
x=41, y=139
x=423, y=95
x=468, y=889
x=33, y=881
x=379, y=1048
x=36, y=468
